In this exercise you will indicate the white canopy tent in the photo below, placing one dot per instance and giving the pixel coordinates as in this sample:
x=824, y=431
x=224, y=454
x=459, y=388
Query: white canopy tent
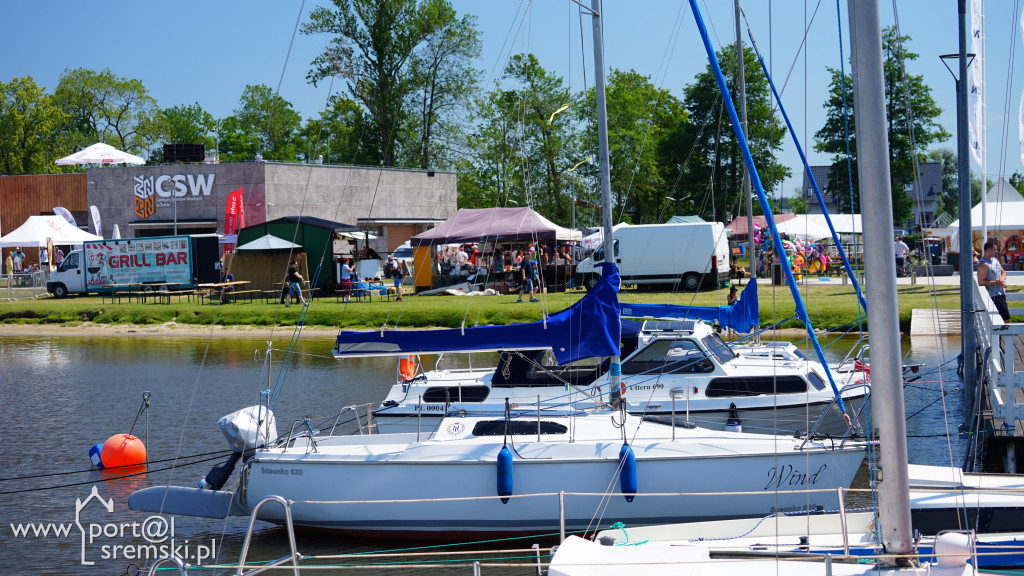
x=268, y=242
x=100, y=153
x=1005, y=209
x=804, y=227
x=34, y=232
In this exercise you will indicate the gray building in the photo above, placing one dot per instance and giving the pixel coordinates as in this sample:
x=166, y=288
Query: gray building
x=925, y=193
x=146, y=201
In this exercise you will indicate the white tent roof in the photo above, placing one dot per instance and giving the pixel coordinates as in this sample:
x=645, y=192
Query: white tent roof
x=1005, y=209
x=37, y=229
x=101, y=153
x=805, y=227
x=268, y=242
x=844, y=223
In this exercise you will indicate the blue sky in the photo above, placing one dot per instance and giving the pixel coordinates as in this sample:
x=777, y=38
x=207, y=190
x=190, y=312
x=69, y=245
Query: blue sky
x=206, y=52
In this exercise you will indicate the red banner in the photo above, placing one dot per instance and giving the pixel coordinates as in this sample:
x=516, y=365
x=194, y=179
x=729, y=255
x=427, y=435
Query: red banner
x=234, y=216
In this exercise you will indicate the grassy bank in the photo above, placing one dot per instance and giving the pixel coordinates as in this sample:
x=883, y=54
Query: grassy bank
x=830, y=306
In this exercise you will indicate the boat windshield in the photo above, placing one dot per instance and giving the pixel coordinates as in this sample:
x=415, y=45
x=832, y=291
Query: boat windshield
x=718, y=347
x=669, y=356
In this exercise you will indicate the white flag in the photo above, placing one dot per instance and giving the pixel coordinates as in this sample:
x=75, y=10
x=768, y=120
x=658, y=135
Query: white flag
x=65, y=214
x=117, y=233
x=975, y=87
x=97, y=224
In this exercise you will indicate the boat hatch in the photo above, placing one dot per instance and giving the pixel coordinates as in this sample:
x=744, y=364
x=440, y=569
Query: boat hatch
x=517, y=428
x=456, y=394
x=755, y=386
x=718, y=348
x=816, y=380
x=677, y=326
x=669, y=355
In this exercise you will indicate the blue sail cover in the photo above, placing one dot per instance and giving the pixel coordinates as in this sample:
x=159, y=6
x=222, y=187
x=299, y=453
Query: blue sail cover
x=741, y=316
x=588, y=328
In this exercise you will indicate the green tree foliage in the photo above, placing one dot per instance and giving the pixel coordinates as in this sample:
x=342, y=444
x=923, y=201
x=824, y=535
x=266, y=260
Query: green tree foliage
x=103, y=107
x=443, y=82
x=30, y=124
x=706, y=147
x=264, y=123
x=909, y=106
x=640, y=117
x=184, y=125
x=342, y=135
x=372, y=49
x=522, y=149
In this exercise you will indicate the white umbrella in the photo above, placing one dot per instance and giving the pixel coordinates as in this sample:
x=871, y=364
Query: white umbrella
x=100, y=154
x=268, y=242
x=357, y=235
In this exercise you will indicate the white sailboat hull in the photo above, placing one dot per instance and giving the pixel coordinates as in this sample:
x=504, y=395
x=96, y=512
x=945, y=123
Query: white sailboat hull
x=342, y=486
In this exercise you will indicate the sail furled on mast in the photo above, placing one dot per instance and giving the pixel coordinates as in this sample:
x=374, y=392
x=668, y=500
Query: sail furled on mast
x=741, y=316
x=589, y=328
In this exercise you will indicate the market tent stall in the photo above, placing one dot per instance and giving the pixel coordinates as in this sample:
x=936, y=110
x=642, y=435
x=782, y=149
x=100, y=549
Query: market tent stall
x=37, y=229
x=267, y=243
x=488, y=225
x=737, y=229
x=315, y=235
x=264, y=261
x=1004, y=216
x=804, y=227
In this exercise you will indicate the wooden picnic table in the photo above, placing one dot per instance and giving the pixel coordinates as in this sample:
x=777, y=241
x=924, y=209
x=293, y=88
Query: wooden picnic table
x=217, y=289
x=113, y=290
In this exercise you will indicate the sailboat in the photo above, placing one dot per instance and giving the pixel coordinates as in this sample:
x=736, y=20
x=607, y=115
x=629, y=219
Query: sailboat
x=524, y=471
x=577, y=556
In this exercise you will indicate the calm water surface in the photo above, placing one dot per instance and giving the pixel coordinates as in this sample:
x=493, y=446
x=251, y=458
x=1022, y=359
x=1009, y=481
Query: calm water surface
x=61, y=395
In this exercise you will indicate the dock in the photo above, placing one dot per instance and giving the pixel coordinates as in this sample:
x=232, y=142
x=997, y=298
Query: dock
x=932, y=322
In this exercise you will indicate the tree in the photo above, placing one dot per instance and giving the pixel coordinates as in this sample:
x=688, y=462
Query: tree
x=706, y=146
x=103, y=107
x=265, y=119
x=374, y=42
x=640, y=116
x=342, y=135
x=443, y=80
x=184, y=125
x=29, y=129
x=912, y=128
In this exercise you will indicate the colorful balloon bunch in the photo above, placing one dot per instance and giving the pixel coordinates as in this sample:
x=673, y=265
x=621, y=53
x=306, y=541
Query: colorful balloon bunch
x=805, y=257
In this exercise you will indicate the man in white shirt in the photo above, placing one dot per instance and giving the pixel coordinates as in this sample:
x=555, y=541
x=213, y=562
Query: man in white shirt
x=901, y=250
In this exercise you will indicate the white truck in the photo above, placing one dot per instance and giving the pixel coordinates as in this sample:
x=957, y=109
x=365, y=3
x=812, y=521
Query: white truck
x=686, y=256
x=171, y=262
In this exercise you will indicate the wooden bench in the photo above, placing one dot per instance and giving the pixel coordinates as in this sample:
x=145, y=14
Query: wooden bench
x=233, y=295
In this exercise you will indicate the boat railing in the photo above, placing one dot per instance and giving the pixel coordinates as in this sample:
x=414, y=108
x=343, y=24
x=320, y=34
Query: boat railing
x=182, y=566
x=854, y=420
x=294, y=557
x=354, y=408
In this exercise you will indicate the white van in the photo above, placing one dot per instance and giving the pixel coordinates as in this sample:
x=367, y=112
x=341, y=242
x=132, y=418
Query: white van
x=686, y=256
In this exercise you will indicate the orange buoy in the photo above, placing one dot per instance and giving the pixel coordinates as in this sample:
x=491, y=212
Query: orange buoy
x=407, y=367
x=123, y=450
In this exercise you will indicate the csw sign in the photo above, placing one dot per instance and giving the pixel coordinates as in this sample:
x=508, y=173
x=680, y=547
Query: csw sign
x=152, y=192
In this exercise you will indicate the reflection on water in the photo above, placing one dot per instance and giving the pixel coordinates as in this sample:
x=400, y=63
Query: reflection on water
x=61, y=395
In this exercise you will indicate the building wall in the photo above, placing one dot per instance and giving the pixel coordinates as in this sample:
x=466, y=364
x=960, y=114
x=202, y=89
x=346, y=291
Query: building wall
x=345, y=193
x=138, y=198
x=24, y=196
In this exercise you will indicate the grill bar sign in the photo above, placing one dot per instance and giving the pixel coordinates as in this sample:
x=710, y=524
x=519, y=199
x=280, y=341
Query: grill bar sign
x=139, y=261
x=152, y=192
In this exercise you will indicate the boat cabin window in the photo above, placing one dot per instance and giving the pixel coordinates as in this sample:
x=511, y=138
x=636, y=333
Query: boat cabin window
x=540, y=368
x=816, y=380
x=669, y=356
x=755, y=386
x=456, y=394
x=517, y=428
x=718, y=348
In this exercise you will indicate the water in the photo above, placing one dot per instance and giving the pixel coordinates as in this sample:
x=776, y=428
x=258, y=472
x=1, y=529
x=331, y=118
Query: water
x=61, y=395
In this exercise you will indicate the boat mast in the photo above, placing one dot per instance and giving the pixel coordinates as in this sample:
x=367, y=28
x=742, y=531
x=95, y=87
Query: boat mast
x=615, y=370
x=876, y=198
x=967, y=285
x=741, y=80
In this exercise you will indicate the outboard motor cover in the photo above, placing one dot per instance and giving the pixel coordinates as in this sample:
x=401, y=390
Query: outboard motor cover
x=248, y=428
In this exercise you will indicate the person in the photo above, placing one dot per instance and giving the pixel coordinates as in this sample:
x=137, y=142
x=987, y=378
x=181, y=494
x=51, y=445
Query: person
x=523, y=277
x=226, y=277
x=394, y=269
x=295, y=282
x=992, y=276
x=534, y=281
x=901, y=250
x=10, y=270
x=403, y=271
x=44, y=260
x=346, y=280
x=733, y=296
x=18, y=256
x=58, y=257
